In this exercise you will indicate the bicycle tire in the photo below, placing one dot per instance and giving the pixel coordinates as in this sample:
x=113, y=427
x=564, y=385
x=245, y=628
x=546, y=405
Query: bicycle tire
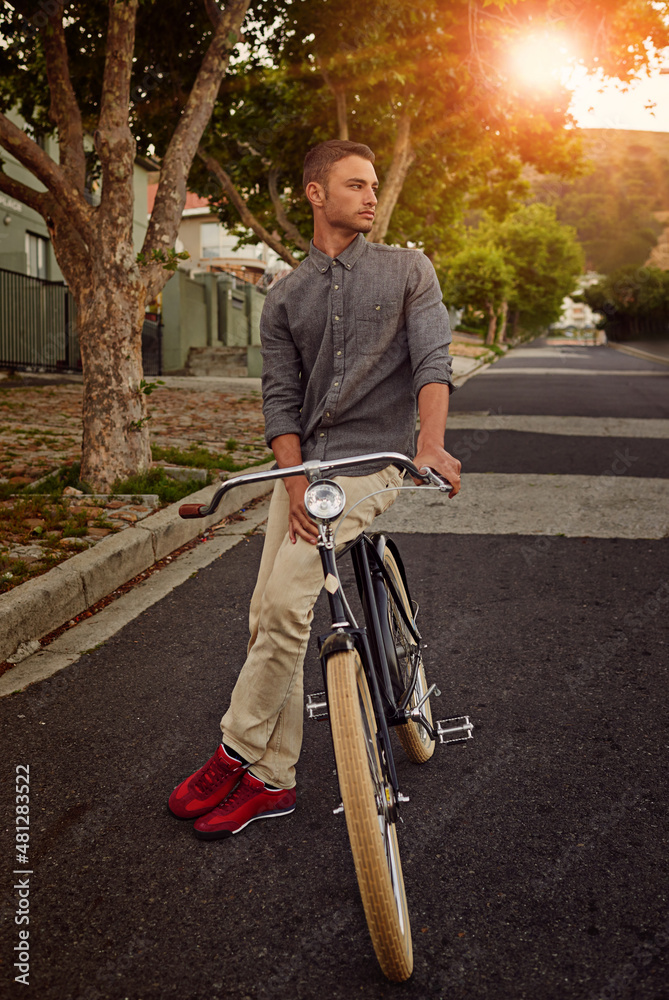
x=414, y=738
x=372, y=835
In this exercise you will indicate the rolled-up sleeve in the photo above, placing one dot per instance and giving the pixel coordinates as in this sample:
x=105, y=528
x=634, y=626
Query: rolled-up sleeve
x=282, y=386
x=428, y=328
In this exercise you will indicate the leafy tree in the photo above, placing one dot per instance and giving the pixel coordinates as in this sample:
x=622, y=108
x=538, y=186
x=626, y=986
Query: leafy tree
x=546, y=259
x=541, y=259
x=114, y=72
x=427, y=86
x=478, y=277
x=633, y=303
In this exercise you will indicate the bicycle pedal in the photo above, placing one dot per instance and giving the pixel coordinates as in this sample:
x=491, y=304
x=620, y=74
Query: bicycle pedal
x=317, y=706
x=454, y=730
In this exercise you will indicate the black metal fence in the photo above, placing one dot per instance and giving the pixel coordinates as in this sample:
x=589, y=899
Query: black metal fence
x=38, y=328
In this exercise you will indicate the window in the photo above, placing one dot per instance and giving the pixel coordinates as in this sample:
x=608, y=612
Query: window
x=210, y=237
x=36, y=250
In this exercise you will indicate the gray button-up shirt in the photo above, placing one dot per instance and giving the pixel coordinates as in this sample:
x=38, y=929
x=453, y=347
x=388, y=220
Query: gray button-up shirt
x=347, y=345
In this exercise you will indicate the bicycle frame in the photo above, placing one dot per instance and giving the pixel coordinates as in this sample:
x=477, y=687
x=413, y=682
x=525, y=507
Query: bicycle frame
x=346, y=634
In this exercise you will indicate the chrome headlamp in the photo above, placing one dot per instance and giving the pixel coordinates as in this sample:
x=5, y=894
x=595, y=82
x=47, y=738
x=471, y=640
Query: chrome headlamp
x=324, y=500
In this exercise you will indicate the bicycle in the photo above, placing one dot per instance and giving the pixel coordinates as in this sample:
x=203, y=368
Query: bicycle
x=375, y=681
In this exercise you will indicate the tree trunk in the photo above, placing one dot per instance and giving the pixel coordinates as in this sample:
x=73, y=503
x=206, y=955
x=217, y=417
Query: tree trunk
x=492, y=324
x=504, y=315
x=115, y=439
x=403, y=157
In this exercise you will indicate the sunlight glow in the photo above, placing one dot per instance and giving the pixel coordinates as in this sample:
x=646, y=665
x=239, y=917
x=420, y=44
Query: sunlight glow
x=541, y=60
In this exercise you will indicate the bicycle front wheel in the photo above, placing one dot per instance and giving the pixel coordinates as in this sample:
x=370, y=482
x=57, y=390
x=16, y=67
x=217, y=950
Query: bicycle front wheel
x=415, y=739
x=366, y=797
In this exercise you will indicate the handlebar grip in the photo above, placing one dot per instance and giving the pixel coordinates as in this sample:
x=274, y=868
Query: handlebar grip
x=191, y=509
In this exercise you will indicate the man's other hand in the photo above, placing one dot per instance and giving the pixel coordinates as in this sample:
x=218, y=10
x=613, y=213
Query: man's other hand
x=438, y=458
x=299, y=523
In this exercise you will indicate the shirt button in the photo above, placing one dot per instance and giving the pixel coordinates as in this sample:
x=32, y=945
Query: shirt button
x=336, y=383
x=336, y=286
x=336, y=317
x=334, y=263
x=322, y=435
x=323, y=270
x=327, y=414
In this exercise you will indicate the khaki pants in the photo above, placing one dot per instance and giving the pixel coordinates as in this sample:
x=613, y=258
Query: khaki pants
x=264, y=720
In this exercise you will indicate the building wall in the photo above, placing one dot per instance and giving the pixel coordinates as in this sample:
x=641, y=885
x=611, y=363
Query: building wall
x=208, y=310
x=17, y=220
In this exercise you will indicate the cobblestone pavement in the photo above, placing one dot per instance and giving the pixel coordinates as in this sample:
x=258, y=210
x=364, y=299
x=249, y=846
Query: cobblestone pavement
x=40, y=425
x=40, y=431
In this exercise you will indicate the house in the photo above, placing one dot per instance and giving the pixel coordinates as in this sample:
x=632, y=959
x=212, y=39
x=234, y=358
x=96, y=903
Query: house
x=577, y=316
x=210, y=246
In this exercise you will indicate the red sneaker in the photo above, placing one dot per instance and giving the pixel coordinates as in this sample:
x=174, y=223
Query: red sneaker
x=250, y=800
x=199, y=794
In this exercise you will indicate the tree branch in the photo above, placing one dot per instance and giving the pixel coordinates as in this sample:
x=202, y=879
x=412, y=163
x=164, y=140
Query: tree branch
x=115, y=101
x=21, y=192
x=64, y=110
x=339, y=92
x=171, y=194
x=289, y=228
x=403, y=157
x=214, y=12
x=28, y=153
x=114, y=141
x=245, y=214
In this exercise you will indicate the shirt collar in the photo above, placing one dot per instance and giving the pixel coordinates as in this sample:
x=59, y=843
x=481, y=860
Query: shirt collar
x=347, y=257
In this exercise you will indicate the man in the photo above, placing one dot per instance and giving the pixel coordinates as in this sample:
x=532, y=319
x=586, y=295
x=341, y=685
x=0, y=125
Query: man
x=351, y=340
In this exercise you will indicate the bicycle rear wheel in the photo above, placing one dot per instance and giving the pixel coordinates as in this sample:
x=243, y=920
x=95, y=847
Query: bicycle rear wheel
x=415, y=740
x=367, y=798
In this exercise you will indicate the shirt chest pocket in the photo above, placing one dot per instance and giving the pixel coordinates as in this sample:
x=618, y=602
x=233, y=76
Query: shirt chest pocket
x=376, y=324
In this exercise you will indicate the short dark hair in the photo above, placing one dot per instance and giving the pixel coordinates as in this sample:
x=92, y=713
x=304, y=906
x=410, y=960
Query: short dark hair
x=320, y=159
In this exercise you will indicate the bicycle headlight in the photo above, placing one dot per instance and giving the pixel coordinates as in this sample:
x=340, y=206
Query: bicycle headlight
x=324, y=500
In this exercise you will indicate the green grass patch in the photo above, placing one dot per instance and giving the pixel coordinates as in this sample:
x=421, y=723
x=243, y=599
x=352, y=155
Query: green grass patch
x=157, y=481
x=195, y=457
x=54, y=485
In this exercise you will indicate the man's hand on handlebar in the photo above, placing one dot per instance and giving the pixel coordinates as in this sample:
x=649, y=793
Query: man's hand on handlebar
x=437, y=458
x=299, y=523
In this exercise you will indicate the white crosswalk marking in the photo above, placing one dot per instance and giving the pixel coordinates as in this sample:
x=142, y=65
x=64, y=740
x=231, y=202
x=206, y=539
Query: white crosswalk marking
x=502, y=370
x=581, y=426
x=606, y=506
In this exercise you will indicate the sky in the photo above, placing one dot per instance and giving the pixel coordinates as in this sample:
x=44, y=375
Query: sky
x=614, y=109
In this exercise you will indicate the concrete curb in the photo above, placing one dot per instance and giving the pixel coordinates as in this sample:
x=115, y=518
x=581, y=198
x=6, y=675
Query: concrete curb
x=95, y=631
x=41, y=605
x=635, y=352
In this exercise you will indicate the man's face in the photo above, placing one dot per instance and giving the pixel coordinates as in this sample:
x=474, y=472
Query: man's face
x=350, y=194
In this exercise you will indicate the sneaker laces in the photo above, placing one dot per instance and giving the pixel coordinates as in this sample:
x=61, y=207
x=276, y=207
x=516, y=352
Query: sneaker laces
x=241, y=793
x=213, y=774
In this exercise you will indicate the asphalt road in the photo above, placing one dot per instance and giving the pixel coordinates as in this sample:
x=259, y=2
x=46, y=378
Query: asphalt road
x=534, y=856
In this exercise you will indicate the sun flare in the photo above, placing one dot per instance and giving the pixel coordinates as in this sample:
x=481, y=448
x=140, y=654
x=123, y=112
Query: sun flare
x=541, y=60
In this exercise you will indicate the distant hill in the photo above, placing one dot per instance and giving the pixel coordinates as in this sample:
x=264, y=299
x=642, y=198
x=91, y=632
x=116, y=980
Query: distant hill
x=619, y=205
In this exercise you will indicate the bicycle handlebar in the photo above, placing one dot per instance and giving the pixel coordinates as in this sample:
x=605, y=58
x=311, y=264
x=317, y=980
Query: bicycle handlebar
x=314, y=469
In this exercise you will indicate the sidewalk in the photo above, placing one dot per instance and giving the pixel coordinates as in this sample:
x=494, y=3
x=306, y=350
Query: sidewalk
x=40, y=429
x=647, y=350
